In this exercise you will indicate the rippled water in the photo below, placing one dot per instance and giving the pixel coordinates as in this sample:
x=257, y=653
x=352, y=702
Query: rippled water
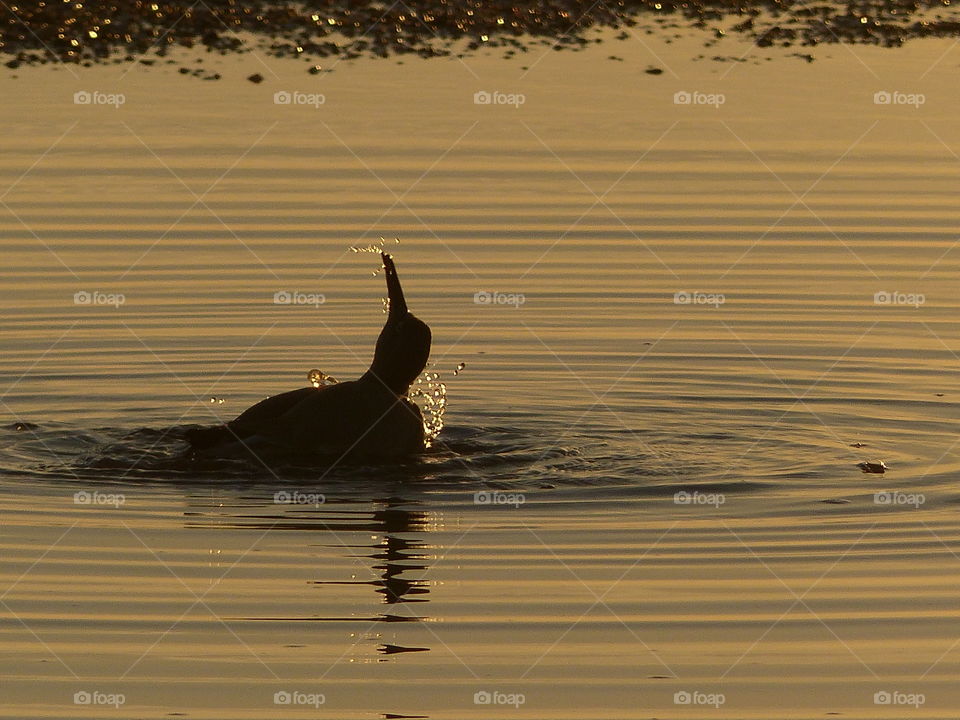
x=686, y=302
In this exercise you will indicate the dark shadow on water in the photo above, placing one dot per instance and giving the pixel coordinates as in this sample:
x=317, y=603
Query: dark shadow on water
x=461, y=457
x=533, y=456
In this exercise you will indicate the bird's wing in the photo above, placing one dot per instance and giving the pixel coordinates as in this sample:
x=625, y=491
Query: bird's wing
x=329, y=415
x=251, y=420
x=274, y=407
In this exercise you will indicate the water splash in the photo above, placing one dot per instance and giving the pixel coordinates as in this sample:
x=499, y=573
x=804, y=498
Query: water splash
x=430, y=394
x=376, y=247
x=318, y=378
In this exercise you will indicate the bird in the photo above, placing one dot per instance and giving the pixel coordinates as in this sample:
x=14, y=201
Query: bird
x=372, y=416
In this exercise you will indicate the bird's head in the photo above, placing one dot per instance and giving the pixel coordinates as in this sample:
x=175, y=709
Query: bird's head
x=404, y=343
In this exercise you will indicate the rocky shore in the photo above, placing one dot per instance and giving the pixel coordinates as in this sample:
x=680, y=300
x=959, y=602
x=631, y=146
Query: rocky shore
x=90, y=31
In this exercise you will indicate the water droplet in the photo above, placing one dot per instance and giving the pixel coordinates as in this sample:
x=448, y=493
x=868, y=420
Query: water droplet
x=460, y=367
x=318, y=378
x=430, y=396
x=376, y=247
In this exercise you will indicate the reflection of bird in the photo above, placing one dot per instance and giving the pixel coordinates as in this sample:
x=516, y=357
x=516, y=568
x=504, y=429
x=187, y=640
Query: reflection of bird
x=397, y=554
x=368, y=416
x=398, y=550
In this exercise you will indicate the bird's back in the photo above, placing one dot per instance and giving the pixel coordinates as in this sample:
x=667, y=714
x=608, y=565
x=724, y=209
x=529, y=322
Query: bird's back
x=349, y=418
x=358, y=417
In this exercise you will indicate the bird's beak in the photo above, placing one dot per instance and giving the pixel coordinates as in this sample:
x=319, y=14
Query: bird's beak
x=398, y=305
